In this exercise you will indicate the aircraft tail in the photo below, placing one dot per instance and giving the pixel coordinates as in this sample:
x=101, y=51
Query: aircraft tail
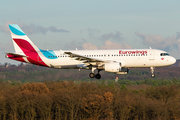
x=25, y=50
x=22, y=44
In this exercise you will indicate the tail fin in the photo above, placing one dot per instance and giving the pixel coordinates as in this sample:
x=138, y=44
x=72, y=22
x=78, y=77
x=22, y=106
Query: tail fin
x=25, y=50
x=22, y=43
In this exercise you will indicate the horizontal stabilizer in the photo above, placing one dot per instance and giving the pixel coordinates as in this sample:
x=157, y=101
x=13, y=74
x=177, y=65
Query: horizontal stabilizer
x=15, y=55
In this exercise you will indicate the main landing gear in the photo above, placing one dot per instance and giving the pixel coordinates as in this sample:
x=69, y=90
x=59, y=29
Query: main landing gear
x=152, y=72
x=92, y=75
x=97, y=76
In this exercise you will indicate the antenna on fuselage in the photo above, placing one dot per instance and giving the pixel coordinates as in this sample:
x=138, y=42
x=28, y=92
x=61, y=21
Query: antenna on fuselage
x=61, y=52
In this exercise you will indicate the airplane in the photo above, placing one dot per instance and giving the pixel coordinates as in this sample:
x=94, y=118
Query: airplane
x=116, y=61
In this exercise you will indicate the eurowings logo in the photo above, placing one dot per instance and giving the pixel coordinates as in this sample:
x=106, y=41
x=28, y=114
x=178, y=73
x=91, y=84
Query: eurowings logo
x=16, y=30
x=133, y=52
x=25, y=45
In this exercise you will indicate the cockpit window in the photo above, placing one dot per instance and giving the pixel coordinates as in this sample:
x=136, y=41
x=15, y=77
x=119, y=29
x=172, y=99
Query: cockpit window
x=164, y=54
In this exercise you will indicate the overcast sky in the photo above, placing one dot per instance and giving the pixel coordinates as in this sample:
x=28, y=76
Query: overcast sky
x=95, y=24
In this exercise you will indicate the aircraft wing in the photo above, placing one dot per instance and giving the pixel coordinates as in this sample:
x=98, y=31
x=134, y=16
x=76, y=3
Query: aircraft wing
x=83, y=58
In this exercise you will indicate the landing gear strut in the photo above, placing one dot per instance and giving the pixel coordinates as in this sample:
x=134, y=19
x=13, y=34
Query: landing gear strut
x=152, y=72
x=92, y=75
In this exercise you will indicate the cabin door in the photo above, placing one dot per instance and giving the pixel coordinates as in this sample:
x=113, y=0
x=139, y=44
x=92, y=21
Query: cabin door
x=151, y=54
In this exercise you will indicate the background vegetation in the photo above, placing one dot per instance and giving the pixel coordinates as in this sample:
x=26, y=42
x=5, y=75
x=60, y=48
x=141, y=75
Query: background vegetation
x=38, y=93
x=31, y=73
x=68, y=100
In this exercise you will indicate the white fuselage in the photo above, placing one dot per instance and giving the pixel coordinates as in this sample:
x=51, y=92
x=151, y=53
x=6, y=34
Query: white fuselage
x=128, y=57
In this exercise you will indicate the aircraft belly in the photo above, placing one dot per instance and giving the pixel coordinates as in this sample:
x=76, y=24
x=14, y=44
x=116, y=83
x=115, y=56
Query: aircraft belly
x=139, y=63
x=64, y=63
x=146, y=63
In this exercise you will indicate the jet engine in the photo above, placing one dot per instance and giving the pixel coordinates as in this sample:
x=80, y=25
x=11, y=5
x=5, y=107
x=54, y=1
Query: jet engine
x=123, y=71
x=115, y=67
x=112, y=67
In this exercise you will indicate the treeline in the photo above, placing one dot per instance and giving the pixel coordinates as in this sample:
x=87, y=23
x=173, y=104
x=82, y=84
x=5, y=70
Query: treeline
x=67, y=100
x=151, y=82
x=32, y=73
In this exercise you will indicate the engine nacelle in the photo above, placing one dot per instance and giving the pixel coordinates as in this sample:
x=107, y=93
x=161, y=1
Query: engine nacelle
x=115, y=67
x=112, y=67
x=123, y=71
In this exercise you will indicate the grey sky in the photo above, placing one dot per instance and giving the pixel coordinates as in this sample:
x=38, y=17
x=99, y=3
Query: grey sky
x=97, y=24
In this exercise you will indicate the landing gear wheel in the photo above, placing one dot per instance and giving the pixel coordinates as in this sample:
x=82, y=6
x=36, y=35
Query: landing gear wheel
x=153, y=75
x=98, y=76
x=91, y=75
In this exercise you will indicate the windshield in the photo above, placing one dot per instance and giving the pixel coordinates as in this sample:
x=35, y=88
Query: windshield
x=164, y=54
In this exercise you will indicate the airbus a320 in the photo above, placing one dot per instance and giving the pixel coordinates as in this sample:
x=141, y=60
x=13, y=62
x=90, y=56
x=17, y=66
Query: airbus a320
x=116, y=61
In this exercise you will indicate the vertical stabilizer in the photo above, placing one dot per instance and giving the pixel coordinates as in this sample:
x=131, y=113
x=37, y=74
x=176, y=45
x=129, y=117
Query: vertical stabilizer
x=21, y=41
x=25, y=50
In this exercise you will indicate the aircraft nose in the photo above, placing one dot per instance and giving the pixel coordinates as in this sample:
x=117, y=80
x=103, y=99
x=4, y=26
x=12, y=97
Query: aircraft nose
x=173, y=60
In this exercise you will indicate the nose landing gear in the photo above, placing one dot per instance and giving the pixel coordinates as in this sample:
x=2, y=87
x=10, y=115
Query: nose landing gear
x=152, y=72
